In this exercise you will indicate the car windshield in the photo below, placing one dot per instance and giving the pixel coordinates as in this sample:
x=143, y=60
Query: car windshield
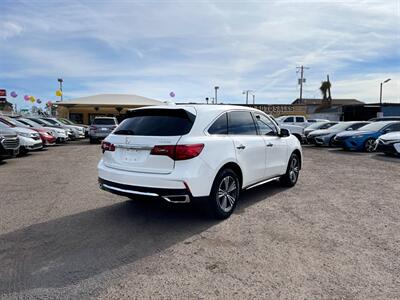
x=51, y=121
x=316, y=125
x=373, y=126
x=6, y=122
x=41, y=122
x=27, y=122
x=104, y=121
x=66, y=121
x=341, y=126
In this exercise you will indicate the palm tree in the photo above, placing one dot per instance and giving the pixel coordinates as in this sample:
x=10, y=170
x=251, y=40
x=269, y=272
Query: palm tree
x=325, y=88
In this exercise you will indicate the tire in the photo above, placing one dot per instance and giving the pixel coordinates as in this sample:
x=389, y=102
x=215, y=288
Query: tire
x=92, y=141
x=369, y=145
x=331, y=141
x=292, y=171
x=224, y=194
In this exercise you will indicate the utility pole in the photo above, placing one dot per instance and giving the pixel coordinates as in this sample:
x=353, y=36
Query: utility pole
x=216, y=93
x=246, y=92
x=301, y=80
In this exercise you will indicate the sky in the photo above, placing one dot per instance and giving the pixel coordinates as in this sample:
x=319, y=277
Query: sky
x=151, y=48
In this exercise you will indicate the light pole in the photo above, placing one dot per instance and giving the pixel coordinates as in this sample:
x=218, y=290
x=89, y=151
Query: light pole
x=216, y=88
x=60, y=80
x=380, y=92
x=246, y=92
x=254, y=99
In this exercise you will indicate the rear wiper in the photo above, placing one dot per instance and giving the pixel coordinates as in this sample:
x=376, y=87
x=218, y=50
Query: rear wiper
x=125, y=131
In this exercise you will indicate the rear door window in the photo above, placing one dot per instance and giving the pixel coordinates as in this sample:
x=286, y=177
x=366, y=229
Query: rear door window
x=220, y=126
x=241, y=123
x=157, y=122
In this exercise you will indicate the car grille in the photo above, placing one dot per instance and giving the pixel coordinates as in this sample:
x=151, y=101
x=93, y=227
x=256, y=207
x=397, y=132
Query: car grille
x=10, y=143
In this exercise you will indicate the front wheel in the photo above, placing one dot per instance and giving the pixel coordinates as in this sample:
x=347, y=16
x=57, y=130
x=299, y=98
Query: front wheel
x=292, y=171
x=224, y=194
x=369, y=145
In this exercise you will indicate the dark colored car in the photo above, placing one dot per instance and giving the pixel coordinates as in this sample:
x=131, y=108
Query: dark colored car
x=364, y=138
x=324, y=137
x=318, y=125
x=9, y=144
x=101, y=127
x=392, y=118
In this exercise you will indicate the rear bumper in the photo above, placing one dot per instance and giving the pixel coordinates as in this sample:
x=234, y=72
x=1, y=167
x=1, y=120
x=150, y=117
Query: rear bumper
x=195, y=180
x=169, y=195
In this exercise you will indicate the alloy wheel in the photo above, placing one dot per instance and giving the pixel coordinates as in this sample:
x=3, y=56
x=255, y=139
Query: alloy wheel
x=227, y=193
x=369, y=145
x=294, y=169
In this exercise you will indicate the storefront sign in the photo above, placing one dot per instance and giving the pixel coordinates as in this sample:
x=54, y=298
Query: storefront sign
x=281, y=109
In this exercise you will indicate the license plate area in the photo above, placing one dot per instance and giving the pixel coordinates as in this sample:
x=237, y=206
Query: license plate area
x=103, y=129
x=134, y=155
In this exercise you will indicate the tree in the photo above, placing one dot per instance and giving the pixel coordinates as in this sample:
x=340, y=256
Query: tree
x=325, y=88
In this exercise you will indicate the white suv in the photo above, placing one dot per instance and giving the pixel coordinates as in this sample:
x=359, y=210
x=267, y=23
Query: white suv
x=193, y=153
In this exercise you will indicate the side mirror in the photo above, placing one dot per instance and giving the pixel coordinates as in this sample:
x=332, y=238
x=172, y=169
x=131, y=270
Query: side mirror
x=284, y=132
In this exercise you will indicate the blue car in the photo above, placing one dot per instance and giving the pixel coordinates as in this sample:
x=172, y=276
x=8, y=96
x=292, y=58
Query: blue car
x=364, y=138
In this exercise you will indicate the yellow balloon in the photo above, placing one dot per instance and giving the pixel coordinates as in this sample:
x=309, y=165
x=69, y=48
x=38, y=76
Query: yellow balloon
x=33, y=99
x=58, y=93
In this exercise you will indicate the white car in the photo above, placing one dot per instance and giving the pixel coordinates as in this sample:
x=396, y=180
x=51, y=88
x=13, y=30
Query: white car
x=388, y=143
x=28, y=139
x=60, y=134
x=197, y=153
x=78, y=131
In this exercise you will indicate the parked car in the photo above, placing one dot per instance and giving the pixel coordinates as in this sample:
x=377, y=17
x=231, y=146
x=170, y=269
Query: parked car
x=47, y=138
x=197, y=153
x=391, y=118
x=318, y=125
x=297, y=131
x=317, y=120
x=29, y=140
x=324, y=137
x=60, y=133
x=364, y=138
x=69, y=122
x=101, y=127
x=388, y=143
x=9, y=143
x=78, y=131
x=292, y=120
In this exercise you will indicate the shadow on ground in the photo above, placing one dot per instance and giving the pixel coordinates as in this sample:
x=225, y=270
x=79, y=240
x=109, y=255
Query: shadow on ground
x=67, y=250
x=389, y=158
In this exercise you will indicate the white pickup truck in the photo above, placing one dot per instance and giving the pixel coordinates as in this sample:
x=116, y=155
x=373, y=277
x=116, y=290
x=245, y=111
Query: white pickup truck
x=296, y=130
x=293, y=120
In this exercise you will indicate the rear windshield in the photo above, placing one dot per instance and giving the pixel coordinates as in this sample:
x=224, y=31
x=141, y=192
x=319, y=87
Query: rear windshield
x=101, y=121
x=157, y=122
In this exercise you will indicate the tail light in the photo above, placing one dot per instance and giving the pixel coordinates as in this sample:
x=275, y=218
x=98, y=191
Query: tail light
x=107, y=146
x=178, y=152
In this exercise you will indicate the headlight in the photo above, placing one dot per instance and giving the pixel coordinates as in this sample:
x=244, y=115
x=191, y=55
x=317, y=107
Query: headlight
x=24, y=134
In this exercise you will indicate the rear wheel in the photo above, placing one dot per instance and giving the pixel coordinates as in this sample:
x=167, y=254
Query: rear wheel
x=224, y=194
x=292, y=171
x=369, y=145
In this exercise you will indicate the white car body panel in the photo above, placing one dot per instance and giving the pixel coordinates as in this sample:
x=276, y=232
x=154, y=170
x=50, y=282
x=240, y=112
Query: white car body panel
x=256, y=161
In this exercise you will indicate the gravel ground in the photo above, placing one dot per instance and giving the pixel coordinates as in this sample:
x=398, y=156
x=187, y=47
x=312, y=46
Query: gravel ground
x=335, y=235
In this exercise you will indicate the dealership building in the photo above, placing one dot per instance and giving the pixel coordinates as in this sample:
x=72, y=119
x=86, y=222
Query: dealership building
x=84, y=110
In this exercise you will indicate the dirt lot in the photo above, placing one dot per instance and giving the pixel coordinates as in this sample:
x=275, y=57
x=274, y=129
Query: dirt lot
x=336, y=235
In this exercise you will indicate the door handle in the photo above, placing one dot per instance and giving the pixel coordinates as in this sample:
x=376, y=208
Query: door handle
x=241, y=146
x=270, y=145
